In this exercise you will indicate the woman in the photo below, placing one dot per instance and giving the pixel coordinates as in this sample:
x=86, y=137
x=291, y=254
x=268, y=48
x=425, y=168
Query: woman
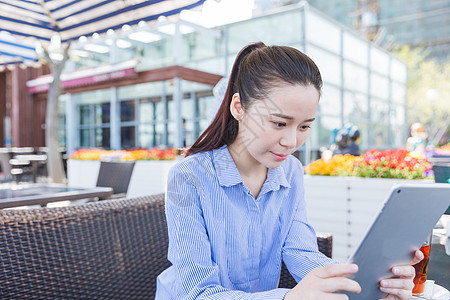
x=235, y=206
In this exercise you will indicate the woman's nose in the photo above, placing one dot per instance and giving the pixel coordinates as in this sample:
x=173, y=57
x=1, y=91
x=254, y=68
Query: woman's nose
x=289, y=139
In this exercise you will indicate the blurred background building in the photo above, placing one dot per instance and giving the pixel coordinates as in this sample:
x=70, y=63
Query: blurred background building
x=133, y=87
x=417, y=23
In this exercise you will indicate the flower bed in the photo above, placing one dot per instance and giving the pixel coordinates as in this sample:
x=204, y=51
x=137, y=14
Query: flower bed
x=126, y=155
x=397, y=164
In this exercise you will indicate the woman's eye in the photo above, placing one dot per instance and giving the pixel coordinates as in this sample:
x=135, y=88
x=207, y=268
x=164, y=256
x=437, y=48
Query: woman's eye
x=279, y=124
x=305, y=127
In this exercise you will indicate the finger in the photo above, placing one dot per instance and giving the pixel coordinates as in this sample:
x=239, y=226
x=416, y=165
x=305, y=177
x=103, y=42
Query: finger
x=404, y=271
x=418, y=256
x=397, y=283
x=333, y=297
x=335, y=284
x=336, y=270
x=402, y=294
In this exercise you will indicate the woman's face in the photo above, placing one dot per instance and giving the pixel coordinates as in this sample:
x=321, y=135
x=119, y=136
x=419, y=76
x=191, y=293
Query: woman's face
x=274, y=127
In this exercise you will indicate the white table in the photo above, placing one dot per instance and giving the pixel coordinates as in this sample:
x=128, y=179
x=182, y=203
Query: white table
x=434, y=292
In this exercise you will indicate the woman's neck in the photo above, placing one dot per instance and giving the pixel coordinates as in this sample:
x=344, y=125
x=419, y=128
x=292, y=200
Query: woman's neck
x=252, y=172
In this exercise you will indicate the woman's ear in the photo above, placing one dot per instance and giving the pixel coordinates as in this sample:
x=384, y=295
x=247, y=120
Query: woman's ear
x=236, y=107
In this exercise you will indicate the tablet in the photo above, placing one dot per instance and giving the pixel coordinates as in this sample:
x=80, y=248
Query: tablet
x=407, y=217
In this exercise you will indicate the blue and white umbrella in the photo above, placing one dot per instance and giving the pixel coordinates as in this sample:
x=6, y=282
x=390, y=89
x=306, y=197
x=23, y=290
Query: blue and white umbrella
x=75, y=18
x=13, y=50
x=40, y=19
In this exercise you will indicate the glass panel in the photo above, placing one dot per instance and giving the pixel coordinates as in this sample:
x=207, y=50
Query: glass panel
x=84, y=138
x=171, y=134
x=187, y=108
x=397, y=115
x=398, y=92
x=159, y=107
x=355, y=49
x=379, y=86
x=147, y=136
x=171, y=109
x=379, y=61
x=330, y=102
x=84, y=114
x=146, y=110
x=188, y=133
x=160, y=132
x=379, y=111
x=127, y=137
x=325, y=125
x=398, y=70
x=329, y=64
x=380, y=134
x=127, y=110
x=397, y=123
x=102, y=113
x=322, y=32
x=243, y=33
x=355, y=77
x=208, y=107
x=355, y=107
x=102, y=138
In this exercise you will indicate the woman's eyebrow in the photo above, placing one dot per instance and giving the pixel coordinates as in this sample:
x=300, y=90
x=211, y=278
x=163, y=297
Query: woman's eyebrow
x=282, y=116
x=289, y=117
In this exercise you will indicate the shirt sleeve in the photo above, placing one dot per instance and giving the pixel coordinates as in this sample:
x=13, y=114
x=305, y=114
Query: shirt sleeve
x=189, y=246
x=300, y=251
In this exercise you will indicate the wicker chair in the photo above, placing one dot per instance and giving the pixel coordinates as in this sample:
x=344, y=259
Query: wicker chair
x=112, y=249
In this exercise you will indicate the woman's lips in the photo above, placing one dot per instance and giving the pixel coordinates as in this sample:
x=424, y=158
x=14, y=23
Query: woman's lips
x=279, y=156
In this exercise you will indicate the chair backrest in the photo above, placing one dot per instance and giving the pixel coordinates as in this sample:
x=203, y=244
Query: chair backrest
x=116, y=175
x=112, y=249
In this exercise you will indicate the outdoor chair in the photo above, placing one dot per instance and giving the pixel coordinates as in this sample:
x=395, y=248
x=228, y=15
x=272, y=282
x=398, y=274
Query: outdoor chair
x=116, y=175
x=112, y=249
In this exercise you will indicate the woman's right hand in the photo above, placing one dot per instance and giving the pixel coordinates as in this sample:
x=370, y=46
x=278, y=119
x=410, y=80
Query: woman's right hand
x=323, y=283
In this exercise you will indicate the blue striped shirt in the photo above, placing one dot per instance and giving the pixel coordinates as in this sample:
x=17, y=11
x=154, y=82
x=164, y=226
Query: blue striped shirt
x=224, y=243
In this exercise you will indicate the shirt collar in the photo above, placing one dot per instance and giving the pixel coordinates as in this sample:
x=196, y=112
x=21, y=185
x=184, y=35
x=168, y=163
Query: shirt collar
x=228, y=174
x=226, y=170
x=277, y=178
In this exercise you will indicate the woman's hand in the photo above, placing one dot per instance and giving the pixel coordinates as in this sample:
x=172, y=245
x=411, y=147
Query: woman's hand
x=401, y=286
x=322, y=283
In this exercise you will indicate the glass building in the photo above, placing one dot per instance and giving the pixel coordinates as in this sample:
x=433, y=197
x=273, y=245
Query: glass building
x=416, y=23
x=363, y=84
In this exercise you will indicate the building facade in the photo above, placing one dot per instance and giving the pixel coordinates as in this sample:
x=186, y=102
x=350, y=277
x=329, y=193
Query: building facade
x=157, y=85
x=417, y=23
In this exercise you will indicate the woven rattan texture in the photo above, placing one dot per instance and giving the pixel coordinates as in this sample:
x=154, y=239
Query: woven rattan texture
x=111, y=249
x=325, y=243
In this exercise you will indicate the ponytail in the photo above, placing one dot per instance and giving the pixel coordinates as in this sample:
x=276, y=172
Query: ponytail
x=224, y=127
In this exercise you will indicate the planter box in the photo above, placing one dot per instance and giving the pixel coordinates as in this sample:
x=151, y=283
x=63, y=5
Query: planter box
x=149, y=176
x=346, y=207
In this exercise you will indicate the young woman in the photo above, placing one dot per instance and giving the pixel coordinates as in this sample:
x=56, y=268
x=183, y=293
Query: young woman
x=235, y=206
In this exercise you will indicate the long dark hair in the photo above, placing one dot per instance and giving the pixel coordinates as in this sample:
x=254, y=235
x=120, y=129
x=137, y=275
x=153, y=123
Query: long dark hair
x=256, y=70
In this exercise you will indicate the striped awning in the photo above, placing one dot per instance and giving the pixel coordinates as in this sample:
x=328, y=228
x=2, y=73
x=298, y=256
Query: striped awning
x=16, y=51
x=74, y=18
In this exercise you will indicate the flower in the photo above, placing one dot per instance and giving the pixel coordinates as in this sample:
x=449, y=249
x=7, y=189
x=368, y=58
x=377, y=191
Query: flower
x=374, y=163
x=126, y=155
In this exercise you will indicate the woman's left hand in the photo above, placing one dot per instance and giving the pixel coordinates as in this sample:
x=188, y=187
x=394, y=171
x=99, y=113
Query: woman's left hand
x=401, y=286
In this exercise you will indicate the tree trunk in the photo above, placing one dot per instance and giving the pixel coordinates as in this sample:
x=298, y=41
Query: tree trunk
x=54, y=160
